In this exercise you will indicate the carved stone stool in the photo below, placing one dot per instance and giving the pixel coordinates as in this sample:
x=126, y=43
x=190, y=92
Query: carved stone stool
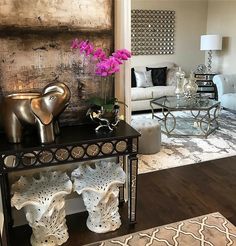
x=44, y=205
x=99, y=187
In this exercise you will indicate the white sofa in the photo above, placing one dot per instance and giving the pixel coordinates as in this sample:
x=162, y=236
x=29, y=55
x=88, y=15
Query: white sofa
x=226, y=88
x=141, y=97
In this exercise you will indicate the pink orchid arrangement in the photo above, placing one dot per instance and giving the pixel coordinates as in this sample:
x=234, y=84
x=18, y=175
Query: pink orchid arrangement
x=105, y=66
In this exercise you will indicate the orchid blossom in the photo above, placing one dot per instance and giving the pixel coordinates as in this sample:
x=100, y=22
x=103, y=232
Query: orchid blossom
x=105, y=66
x=86, y=47
x=99, y=55
x=74, y=44
x=122, y=55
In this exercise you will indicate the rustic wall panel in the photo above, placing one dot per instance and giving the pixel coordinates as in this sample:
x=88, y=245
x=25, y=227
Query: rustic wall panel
x=30, y=62
x=31, y=59
x=43, y=14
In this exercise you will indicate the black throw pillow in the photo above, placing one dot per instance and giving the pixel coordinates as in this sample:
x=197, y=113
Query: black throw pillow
x=158, y=75
x=133, y=78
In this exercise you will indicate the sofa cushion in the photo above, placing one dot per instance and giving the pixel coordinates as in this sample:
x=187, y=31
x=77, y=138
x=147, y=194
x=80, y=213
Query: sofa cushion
x=229, y=101
x=158, y=75
x=143, y=79
x=151, y=92
x=141, y=93
x=160, y=91
x=225, y=84
x=139, y=105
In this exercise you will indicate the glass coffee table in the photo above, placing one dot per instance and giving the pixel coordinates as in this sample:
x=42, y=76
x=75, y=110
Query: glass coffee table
x=183, y=117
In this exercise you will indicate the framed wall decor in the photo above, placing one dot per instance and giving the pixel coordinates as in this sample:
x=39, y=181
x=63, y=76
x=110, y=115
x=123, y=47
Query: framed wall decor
x=152, y=32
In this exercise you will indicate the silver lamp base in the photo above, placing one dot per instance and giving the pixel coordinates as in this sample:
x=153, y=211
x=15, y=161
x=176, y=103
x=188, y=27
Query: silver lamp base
x=209, y=67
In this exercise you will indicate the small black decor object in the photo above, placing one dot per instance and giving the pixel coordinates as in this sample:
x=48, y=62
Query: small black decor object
x=105, y=115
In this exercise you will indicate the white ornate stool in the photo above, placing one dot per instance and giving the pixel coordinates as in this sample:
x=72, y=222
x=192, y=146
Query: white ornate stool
x=99, y=187
x=44, y=205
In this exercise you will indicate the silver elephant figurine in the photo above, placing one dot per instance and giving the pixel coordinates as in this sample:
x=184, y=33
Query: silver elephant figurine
x=30, y=108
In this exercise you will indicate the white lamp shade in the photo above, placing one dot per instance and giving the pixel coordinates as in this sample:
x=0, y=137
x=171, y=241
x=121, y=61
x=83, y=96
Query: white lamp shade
x=211, y=42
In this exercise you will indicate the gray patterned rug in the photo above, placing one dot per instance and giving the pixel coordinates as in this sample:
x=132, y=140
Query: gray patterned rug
x=208, y=230
x=184, y=151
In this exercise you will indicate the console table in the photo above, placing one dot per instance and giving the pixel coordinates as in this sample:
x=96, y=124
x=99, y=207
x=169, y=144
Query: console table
x=74, y=144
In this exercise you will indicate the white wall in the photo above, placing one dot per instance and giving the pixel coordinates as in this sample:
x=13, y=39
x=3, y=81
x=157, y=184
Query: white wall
x=222, y=20
x=191, y=19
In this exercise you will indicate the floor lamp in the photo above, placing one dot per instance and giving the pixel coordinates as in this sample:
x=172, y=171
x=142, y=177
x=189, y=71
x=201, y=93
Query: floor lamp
x=210, y=43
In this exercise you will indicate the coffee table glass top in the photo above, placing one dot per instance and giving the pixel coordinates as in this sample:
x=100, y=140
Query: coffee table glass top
x=183, y=117
x=182, y=103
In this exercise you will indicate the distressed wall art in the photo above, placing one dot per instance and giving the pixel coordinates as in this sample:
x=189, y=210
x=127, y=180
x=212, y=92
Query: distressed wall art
x=65, y=14
x=152, y=32
x=36, y=51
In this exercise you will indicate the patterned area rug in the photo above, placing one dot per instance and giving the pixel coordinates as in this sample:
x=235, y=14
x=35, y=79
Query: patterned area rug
x=189, y=150
x=208, y=230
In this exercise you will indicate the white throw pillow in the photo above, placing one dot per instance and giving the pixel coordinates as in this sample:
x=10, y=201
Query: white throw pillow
x=143, y=79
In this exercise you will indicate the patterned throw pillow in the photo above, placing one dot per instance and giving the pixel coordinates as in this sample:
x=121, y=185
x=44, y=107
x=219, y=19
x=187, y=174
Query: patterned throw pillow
x=143, y=79
x=171, y=78
x=158, y=75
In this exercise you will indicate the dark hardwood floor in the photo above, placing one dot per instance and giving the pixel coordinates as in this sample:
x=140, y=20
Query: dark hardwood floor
x=164, y=197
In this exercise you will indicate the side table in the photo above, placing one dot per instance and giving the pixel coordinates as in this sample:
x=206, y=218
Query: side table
x=206, y=87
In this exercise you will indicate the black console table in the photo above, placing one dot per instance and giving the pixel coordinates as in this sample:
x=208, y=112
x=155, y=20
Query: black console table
x=74, y=144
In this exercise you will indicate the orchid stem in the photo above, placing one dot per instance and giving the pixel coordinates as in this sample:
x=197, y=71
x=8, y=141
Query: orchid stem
x=105, y=97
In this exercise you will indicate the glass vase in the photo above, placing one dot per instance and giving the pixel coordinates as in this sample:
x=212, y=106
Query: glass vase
x=179, y=91
x=107, y=88
x=105, y=111
x=191, y=87
x=88, y=65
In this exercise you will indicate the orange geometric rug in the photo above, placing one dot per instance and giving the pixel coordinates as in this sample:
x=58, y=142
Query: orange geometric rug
x=208, y=230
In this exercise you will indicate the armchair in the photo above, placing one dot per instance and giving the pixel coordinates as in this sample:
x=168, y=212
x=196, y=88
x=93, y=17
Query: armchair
x=226, y=87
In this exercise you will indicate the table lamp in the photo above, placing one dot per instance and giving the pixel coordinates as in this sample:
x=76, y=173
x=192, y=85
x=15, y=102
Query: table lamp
x=210, y=43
